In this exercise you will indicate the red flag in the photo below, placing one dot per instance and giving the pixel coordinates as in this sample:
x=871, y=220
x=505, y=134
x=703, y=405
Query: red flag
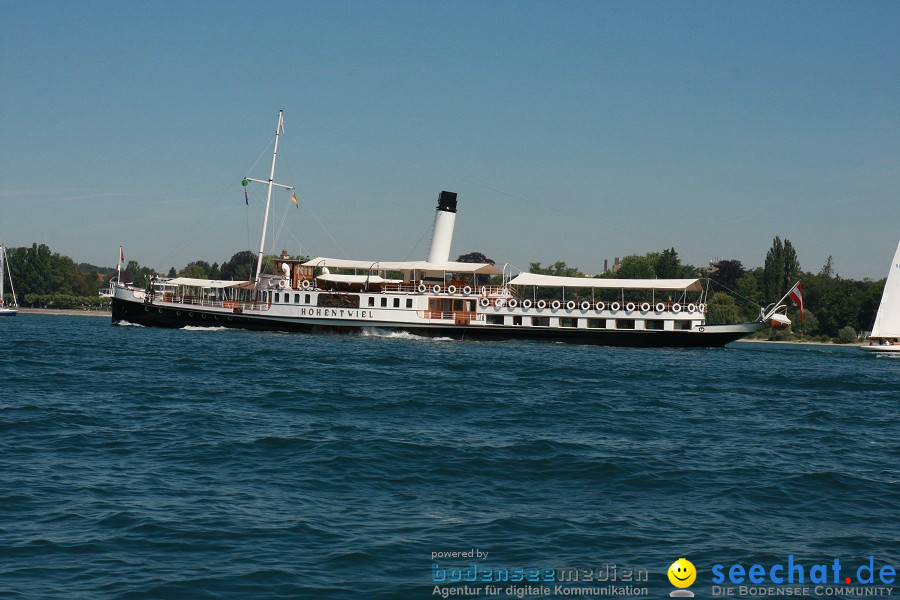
x=294, y=200
x=796, y=294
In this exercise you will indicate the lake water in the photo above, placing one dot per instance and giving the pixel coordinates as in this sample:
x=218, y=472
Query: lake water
x=150, y=463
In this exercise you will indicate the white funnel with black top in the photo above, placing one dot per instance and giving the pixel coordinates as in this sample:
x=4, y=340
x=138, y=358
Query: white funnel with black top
x=444, y=220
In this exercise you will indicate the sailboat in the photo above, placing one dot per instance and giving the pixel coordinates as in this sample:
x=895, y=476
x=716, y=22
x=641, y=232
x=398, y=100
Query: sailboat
x=6, y=311
x=885, y=336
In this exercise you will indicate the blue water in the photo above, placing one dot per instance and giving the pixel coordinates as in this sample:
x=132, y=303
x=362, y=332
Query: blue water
x=150, y=463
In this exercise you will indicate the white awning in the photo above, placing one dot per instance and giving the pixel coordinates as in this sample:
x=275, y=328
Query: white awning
x=206, y=283
x=691, y=285
x=413, y=265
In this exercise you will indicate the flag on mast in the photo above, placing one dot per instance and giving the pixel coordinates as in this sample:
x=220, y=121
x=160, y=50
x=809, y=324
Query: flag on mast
x=294, y=199
x=121, y=254
x=796, y=294
x=246, y=198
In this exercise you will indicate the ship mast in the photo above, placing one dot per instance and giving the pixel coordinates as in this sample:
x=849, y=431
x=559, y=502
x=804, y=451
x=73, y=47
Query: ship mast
x=270, y=183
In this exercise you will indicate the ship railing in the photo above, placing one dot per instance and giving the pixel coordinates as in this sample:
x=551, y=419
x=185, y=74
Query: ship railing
x=234, y=305
x=450, y=289
x=458, y=317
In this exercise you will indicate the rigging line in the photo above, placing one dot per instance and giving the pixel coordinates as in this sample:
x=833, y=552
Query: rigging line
x=325, y=229
x=193, y=231
x=279, y=230
x=712, y=281
x=416, y=245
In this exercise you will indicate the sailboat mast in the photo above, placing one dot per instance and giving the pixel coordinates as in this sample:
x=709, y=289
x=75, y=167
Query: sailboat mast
x=2, y=271
x=262, y=239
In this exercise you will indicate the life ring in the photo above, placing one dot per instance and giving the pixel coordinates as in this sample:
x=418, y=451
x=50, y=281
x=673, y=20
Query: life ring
x=526, y=304
x=614, y=306
x=512, y=303
x=483, y=291
x=600, y=306
x=484, y=302
x=692, y=307
x=467, y=290
x=570, y=305
x=630, y=307
x=555, y=304
x=585, y=305
x=660, y=307
x=422, y=288
x=645, y=307
x=701, y=307
x=541, y=304
x=676, y=308
x=282, y=284
x=701, y=329
x=498, y=302
x=306, y=284
x=451, y=289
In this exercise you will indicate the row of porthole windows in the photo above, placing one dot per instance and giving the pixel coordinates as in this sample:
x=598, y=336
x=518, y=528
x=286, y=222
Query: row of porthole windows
x=277, y=298
x=572, y=322
x=396, y=302
x=286, y=298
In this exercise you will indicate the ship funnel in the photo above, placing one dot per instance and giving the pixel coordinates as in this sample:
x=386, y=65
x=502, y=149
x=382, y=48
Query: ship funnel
x=444, y=219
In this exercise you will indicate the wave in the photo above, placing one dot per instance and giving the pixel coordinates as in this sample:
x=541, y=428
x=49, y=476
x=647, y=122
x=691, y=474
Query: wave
x=199, y=328
x=127, y=324
x=398, y=335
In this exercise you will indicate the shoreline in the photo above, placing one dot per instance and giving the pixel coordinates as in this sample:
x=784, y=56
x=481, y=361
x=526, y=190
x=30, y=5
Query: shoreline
x=66, y=312
x=742, y=341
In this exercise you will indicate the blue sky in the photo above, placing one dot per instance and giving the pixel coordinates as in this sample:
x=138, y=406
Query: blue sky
x=574, y=131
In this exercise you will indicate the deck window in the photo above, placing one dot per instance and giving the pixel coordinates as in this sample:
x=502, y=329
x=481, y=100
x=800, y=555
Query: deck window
x=296, y=298
x=306, y=299
x=540, y=321
x=517, y=320
x=568, y=322
x=277, y=295
x=371, y=300
x=495, y=319
x=396, y=302
x=624, y=323
x=654, y=324
x=682, y=325
x=384, y=303
x=596, y=323
x=339, y=300
x=409, y=303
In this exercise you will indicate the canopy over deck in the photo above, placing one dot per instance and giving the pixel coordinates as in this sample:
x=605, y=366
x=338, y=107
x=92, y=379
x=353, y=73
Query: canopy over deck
x=414, y=265
x=535, y=279
x=205, y=283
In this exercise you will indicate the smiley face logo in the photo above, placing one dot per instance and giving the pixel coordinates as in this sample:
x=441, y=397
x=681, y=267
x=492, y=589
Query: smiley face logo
x=682, y=573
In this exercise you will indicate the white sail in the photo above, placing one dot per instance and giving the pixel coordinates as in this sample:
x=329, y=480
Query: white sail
x=887, y=321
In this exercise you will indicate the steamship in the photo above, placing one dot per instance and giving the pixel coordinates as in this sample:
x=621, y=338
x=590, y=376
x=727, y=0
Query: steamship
x=435, y=297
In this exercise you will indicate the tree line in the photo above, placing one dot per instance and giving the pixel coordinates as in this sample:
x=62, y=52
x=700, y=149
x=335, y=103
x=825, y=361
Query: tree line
x=835, y=308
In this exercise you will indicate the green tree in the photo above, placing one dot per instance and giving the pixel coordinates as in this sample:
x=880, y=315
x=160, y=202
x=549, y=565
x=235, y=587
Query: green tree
x=475, y=257
x=637, y=267
x=781, y=269
x=847, y=335
x=558, y=269
x=668, y=266
x=240, y=267
x=726, y=273
x=723, y=310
